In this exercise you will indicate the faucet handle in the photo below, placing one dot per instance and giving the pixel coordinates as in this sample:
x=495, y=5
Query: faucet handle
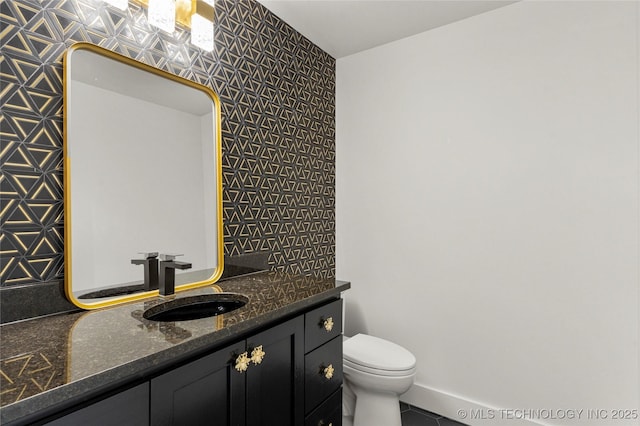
x=149, y=254
x=168, y=257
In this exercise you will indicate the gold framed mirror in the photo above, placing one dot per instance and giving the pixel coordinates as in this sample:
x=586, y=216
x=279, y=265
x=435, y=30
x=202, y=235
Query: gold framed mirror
x=142, y=174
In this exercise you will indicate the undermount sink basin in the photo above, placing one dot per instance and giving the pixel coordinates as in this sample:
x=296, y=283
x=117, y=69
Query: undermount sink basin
x=196, y=307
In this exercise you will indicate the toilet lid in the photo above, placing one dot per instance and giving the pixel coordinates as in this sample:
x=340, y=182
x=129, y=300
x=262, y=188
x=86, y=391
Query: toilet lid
x=376, y=353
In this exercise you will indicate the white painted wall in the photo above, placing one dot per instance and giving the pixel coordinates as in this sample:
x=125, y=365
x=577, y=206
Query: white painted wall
x=487, y=208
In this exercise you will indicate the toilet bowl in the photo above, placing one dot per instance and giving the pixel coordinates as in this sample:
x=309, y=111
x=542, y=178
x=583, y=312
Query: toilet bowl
x=376, y=372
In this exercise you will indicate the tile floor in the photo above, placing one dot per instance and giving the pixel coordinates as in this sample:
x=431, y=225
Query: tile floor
x=413, y=416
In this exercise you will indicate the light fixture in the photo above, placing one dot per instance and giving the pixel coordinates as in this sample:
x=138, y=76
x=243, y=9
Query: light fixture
x=202, y=25
x=162, y=14
x=194, y=15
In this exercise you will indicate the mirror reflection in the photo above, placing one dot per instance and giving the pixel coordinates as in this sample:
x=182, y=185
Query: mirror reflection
x=142, y=179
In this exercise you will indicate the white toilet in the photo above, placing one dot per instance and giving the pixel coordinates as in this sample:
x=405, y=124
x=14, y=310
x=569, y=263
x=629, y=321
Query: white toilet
x=376, y=372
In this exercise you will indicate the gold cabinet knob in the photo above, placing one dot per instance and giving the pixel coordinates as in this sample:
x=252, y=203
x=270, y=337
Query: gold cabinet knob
x=328, y=372
x=328, y=324
x=257, y=355
x=242, y=362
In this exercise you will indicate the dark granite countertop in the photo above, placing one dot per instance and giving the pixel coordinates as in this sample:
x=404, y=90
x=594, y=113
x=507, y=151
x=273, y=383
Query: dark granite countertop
x=54, y=362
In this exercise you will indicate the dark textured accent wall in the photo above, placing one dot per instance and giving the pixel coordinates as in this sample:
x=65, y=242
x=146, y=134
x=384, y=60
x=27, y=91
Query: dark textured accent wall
x=278, y=108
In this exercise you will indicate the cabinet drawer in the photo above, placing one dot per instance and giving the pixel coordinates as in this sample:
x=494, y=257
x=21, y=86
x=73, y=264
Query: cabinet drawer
x=322, y=324
x=329, y=413
x=323, y=373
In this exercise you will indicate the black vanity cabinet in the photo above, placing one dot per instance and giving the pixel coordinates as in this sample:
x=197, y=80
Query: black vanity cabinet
x=288, y=374
x=258, y=381
x=293, y=377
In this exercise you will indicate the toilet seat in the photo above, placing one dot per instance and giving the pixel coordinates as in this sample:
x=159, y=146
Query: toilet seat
x=378, y=371
x=377, y=356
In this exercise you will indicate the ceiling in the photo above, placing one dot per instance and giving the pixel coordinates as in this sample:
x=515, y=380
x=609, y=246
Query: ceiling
x=345, y=27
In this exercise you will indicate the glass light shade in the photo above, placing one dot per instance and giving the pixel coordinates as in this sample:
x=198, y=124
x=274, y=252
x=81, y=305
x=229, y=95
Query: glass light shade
x=162, y=14
x=202, y=33
x=120, y=4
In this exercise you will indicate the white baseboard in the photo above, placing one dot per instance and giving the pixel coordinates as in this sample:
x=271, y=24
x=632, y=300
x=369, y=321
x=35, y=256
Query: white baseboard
x=463, y=410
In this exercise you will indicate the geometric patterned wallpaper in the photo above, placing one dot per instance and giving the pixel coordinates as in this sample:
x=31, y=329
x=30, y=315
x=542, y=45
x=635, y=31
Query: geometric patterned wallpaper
x=277, y=91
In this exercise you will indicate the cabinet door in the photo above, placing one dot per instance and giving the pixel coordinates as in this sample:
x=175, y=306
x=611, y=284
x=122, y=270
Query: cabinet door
x=130, y=407
x=208, y=391
x=275, y=387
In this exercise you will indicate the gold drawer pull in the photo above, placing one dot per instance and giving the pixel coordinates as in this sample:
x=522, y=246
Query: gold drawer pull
x=242, y=362
x=257, y=355
x=328, y=324
x=328, y=372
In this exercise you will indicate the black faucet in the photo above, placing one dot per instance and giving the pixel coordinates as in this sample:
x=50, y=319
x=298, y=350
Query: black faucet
x=168, y=266
x=150, y=263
